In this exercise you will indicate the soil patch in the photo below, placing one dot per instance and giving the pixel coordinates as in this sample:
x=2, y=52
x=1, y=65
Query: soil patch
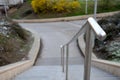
x=109, y=49
x=15, y=42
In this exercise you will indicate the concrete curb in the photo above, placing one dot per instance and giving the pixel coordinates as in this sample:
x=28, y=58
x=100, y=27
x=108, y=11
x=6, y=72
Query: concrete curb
x=8, y=72
x=64, y=18
x=109, y=66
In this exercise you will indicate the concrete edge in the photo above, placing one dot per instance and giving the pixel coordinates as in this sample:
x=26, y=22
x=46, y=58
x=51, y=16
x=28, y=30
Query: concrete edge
x=63, y=18
x=109, y=66
x=8, y=72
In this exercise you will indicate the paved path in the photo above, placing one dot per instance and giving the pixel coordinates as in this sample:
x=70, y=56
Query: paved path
x=55, y=73
x=53, y=35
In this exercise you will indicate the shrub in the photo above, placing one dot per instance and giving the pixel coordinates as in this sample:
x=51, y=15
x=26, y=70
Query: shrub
x=60, y=6
x=54, y=5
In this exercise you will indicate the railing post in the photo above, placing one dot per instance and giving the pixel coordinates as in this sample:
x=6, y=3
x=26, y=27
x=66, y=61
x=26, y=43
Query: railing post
x=88, y=50
x=67, y=60
x=95, y=8
x=61, y=48
x=62, y=58
x=86, y=7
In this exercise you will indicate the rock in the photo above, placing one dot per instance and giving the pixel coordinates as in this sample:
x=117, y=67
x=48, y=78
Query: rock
x=113, y=46
x=113, y=50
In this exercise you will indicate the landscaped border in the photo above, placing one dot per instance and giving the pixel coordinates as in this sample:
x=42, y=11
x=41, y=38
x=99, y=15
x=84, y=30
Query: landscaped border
x=8, y=72
x=109, y=66
x=64, y=18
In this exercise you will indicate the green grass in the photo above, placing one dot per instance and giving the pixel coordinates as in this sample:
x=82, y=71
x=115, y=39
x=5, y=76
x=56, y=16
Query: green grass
x=29, y=1
x=81, y=11
x=113, y=6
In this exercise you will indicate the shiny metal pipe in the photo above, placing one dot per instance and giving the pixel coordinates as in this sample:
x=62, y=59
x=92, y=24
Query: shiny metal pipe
x=88, y=51
x=62, y=57
x=67, y=60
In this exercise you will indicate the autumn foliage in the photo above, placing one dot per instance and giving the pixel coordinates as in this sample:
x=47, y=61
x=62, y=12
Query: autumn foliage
x=57, y=6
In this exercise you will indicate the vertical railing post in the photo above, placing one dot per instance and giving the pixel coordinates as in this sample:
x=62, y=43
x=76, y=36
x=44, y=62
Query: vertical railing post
x=95, y=8
x=86, y=7
x=88, y=50
x=61, y=48
x=67, y=60
x=62, y=58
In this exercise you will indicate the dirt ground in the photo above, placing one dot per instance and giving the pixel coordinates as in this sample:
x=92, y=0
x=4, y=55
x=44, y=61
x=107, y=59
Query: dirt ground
x=109, y=49
x=15, y=43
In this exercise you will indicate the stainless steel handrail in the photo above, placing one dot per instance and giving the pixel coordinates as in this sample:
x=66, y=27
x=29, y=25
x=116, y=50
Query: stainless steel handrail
x=91, y=28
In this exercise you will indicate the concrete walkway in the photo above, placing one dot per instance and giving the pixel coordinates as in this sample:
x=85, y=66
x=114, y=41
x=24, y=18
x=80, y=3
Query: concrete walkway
x=48, y=63
x=53, y=35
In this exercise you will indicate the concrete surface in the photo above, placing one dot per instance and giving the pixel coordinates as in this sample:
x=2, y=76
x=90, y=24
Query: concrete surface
x=42, y=73
x=48, y=63
x=55, y=73
x=53, y=35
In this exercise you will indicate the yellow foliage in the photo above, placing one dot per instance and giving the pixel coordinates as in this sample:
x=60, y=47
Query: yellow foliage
x=54, y=5
x=60, y=5
x=75, y=4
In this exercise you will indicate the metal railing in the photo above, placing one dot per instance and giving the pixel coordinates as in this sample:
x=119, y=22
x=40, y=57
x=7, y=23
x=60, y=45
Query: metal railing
x=91, y=30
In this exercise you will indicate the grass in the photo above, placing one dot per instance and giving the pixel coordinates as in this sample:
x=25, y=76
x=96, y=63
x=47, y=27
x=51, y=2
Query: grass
x=81, y=11
x=108, y=7
x=100, y=9
x=29, y=1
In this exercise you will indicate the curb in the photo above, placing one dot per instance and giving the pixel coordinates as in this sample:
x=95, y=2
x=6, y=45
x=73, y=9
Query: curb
x=63, y=19
x=14, y=69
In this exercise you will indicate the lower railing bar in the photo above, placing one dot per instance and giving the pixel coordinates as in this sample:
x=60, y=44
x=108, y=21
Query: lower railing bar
x=67, y=60
x=88, y=50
